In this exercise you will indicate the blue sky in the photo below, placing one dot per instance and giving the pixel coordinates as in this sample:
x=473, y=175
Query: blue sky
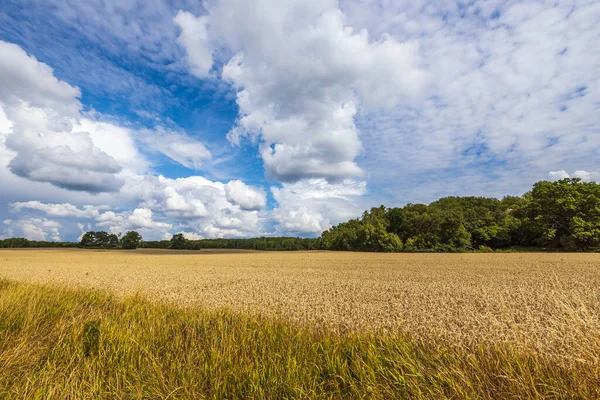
x=231, y=118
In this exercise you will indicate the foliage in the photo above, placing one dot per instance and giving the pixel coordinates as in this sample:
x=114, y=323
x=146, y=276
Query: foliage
x=564, y=214
x=24, y=243
x=178, y=241
x=104, y=240
x=131, y=240
x=261, y=243
x=370, y=233
x=100, y=239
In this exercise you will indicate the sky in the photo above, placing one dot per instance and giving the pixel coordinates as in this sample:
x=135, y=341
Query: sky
x=244, y=118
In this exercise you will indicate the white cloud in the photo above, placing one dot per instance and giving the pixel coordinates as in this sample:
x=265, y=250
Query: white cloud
x=513, y=94
x=75, y=165
x=142, y=218
x=24, y=79
x=5, y=124
x=556, y=175
x=300, y=73
x=36, y=229
x=42, y=111
x=176, y=145
x=198, y=204
x=312, y=206
x=247, y=197
x=190, y=235
x=581, y=174
x=109, y=217
x=117, y=141
x=194, y=38
x=60, y=210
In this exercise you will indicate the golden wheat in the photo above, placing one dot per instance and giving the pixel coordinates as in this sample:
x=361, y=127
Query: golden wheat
x=546, y=302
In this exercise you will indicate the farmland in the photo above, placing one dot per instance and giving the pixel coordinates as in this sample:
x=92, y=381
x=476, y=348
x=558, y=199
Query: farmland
x=528, y=322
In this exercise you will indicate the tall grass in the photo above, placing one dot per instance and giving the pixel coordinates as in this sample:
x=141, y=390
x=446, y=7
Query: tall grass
x=58, y=343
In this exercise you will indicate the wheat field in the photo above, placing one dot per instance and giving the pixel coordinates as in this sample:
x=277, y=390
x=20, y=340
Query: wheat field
x=546, y=302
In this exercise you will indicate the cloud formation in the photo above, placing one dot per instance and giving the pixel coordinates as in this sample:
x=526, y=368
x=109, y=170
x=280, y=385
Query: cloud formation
x=33, y=229
x=301, y=73
x=311, y=206
x=60, y=210
x=512, y=96
x=42, y=111
x=176, y=145
x=194, y=35
x=248, y=198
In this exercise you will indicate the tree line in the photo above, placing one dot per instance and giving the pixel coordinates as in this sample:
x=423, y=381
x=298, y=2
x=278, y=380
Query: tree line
x=18, y=243
x=179, y=242
x=104, y=240
x=561, y=215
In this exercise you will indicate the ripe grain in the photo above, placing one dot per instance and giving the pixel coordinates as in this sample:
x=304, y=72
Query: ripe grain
x=546, y=302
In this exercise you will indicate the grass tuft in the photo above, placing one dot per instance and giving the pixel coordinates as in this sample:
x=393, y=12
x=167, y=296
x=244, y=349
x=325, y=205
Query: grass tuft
x=91, y=338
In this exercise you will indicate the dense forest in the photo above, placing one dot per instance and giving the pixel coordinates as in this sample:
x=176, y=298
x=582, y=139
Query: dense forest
x=561, y=215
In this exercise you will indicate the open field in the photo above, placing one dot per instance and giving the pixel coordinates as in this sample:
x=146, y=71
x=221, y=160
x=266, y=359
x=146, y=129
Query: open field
x=526, y=324
x=535, y=299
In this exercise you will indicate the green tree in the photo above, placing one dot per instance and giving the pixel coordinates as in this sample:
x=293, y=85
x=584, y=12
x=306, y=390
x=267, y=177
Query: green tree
x=99, y=239
x=131, y=240
x=88, y=240
x=565, y=213
x=178, y=241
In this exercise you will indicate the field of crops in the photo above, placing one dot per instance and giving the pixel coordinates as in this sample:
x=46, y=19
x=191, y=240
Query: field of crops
x=535, y=299
x=543, y=306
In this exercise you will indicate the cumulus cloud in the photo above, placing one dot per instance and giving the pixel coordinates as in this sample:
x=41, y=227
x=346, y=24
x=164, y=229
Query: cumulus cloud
x=117, y=141
x=312, y=206
x=42, y=111
x=301, y=73
x=247, y=197
x=24, y=79
x=78, y=166
x=584, y=175
x=142, y=218
x=199, y=205
x=109, y=217
x=34, y=229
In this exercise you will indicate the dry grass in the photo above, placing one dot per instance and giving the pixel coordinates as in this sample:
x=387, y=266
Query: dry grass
x=546, y=302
